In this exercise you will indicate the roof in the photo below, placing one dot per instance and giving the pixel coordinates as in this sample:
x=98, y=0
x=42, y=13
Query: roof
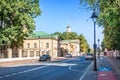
x=68, y=26
x=41, y=34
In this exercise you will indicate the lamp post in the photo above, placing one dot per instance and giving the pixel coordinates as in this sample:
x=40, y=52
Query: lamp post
x=98, y=48
x=94, y=17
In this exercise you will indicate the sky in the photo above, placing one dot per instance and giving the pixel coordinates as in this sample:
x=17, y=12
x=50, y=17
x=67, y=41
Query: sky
x=58, y=14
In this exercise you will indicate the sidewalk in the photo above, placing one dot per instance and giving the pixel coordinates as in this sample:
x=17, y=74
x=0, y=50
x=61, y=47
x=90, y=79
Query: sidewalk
x=116, y=66
x=108, y=69
x=105, y=69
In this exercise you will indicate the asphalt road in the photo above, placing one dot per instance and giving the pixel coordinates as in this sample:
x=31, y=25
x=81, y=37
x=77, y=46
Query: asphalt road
x=69, y=69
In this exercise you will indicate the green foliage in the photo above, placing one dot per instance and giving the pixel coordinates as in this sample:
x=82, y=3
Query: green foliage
x=103, y=46
x=67, y=35
x=112, y=37
x=83, y=43
x=109, y=18
x=17, y=17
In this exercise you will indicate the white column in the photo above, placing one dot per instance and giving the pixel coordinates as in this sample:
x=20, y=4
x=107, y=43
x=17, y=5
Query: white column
x=20, y=53
x=28, y=53
x=35, y=53
x=9, y=52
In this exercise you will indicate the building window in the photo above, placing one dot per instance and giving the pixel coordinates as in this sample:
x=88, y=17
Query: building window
x=47, y=45
x=35, y=45
x=24, y=54
x=31, y=53
x=41, y=44
x=28, y=45
x=37, y=53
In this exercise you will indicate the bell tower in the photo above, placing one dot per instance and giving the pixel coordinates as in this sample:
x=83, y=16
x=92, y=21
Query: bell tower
x=68, y=29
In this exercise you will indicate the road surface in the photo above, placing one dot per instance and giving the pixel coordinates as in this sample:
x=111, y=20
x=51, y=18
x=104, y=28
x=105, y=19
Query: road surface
x=68, y=69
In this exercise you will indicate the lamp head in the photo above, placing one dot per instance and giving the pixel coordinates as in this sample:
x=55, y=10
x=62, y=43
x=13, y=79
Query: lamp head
x=94, y=16
x=98, y=40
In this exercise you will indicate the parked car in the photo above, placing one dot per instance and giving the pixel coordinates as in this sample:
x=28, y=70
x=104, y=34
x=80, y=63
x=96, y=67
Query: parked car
x=45, y=57
x=68, y=55
x=89, y=56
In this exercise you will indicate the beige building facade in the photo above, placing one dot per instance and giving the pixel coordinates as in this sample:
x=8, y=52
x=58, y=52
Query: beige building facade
x=70, y=46
x=40, y=46
x=34, y=46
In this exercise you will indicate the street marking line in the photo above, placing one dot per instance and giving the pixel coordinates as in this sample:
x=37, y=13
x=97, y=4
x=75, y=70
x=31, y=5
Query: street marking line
x=85, y=71
x=7, y=75
x=23, y=71
x=72, y=69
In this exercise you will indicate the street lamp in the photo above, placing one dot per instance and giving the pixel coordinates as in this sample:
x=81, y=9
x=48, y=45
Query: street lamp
x=98, y=48
x=94, y=17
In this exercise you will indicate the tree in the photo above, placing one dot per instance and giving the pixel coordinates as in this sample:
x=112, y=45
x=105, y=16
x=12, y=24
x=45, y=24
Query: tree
x=17, y=20
x=103, y=46
x=83, y=43
x=112, y=38
x=67, y=35
x=109, y=18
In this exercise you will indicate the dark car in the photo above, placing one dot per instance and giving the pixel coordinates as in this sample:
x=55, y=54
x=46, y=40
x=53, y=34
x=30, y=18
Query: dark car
x=45, y=57
x=68, y=56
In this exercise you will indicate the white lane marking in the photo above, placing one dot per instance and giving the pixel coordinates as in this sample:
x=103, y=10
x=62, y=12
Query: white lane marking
x=85, y=71
x=7, y=75
x=70, y=68
x=23, y=71
x=71, y=59
x=59, y=64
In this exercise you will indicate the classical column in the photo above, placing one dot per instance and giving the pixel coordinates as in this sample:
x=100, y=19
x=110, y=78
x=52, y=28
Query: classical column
x=9, y=52
x=20, y=52
x=35, y=53
x=28, y=53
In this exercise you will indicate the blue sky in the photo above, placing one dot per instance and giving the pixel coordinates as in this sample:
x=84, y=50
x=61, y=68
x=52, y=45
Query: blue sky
x=57, y=14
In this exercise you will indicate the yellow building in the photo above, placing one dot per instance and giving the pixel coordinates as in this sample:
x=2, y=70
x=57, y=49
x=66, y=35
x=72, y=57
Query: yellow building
x=41, y=43
x=33, y=47
x=70, y=46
